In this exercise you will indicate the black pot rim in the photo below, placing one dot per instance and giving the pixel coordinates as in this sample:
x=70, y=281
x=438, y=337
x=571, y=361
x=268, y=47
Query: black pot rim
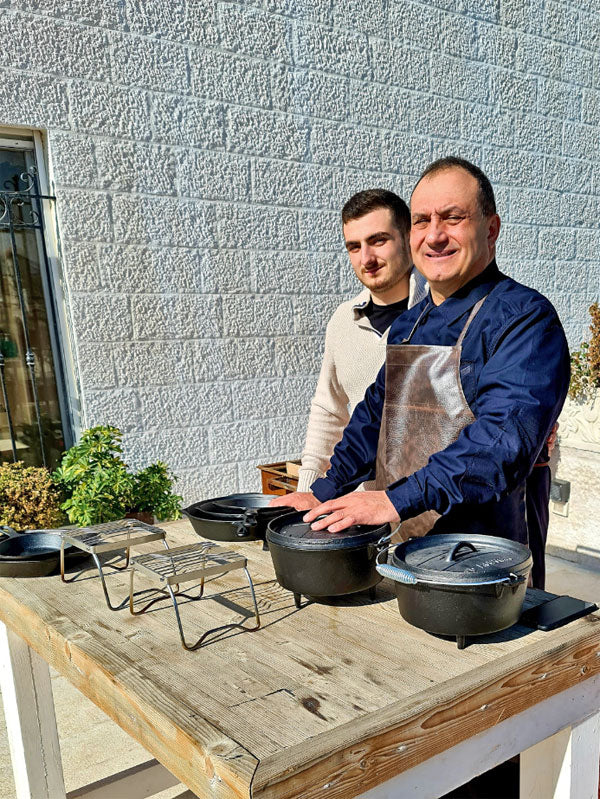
x=241, y=503
x=50, y=550
x=371, y=535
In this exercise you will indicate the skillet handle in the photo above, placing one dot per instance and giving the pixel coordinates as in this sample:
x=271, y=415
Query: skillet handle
x=8, y=531
x=398, y=575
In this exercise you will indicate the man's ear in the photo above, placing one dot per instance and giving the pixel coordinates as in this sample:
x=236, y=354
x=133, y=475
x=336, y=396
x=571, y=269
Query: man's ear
x=493, y=229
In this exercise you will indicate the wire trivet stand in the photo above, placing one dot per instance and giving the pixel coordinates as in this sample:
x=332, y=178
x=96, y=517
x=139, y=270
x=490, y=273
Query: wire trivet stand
x=181, y=565
x=117, y=536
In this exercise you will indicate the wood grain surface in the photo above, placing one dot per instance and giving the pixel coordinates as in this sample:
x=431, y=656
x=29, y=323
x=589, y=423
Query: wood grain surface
x=324, y=701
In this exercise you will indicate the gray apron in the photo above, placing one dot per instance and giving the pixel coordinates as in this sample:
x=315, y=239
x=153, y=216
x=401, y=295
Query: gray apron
x=424, y=412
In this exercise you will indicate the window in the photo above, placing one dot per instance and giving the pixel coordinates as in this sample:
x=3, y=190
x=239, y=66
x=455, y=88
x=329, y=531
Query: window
x=34, y=417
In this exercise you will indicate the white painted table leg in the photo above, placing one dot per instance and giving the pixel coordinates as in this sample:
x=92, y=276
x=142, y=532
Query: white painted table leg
x=564, y=766
x=30, y=720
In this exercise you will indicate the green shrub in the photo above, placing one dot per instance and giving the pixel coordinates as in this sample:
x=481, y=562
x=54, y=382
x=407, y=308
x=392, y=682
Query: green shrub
x=28, y=497
x=153, y=492
x=585, y=362
x=98, y=487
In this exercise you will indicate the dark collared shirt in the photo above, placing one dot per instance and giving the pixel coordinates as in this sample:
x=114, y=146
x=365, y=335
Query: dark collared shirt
x=514, y=371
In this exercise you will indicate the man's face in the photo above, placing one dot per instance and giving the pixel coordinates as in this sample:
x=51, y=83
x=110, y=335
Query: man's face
x=451, y=241
x=378, y=252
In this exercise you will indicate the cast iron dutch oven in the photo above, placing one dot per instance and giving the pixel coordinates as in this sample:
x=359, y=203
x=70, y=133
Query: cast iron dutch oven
x=233, y=518
x=323, y=564
x=457, y=585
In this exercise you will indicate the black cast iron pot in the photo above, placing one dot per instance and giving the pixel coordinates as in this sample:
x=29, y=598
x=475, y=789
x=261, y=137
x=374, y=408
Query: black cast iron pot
x=233, y=518
x=323, y=564
x=459, y=585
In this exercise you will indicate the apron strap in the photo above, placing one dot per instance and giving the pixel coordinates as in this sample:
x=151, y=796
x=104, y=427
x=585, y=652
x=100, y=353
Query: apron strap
x=463, y=332
x=472, y=316
x=417, y=323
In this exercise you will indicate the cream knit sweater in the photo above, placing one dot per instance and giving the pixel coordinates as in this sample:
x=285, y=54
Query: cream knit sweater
x=354, y=354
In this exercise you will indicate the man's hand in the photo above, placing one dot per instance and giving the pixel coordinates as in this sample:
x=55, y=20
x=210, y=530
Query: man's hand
x=358, y=507
x=551, y=443
x=300, y=500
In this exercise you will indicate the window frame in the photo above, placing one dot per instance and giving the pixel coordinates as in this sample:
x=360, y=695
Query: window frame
x=54, y=285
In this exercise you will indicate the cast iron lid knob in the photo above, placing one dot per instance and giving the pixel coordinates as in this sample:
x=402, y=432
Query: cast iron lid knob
x=292, y=532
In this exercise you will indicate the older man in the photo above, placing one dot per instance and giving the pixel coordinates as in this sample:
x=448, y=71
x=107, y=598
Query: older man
x=475, y=377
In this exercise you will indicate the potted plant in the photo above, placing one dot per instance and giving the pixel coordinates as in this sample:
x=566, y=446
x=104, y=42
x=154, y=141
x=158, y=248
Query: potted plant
x=153, y=494
x=98, y=487
x=28, y=497
x=580, y=418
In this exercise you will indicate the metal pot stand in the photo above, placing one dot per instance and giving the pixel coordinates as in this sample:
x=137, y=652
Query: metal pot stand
x=181, y=565
x=117, y=536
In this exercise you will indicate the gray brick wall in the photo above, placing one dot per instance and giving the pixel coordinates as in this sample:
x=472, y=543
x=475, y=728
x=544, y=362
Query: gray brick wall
x=200, y=152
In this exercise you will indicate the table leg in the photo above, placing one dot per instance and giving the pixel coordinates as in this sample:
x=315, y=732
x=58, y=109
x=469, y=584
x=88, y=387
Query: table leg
x=30, y=720
x=564, y=766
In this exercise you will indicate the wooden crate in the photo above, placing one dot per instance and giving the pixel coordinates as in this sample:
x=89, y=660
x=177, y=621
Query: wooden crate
x=279, y=478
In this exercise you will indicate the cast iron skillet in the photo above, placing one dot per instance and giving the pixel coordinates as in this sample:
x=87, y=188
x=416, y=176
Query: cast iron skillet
x=35, y=553
x=237, y=517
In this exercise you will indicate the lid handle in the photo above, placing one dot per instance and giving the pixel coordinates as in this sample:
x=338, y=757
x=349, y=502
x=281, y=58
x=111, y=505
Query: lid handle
x=452, y=555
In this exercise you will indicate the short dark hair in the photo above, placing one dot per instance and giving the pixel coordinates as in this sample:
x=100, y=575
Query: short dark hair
x=485, y=195
x=363, y=202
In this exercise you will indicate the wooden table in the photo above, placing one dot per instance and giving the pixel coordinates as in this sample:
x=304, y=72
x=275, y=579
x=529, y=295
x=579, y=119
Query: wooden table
x=331, y=700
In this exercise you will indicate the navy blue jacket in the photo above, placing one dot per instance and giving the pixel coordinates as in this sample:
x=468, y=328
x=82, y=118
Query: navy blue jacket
x=514, y=372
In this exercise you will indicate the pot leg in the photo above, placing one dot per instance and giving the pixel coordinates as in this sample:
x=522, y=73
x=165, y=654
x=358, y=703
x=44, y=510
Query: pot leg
x=461, y=641
x=298, y=600
x=373, y=593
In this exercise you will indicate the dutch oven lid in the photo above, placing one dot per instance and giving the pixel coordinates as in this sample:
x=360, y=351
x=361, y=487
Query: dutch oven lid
x=291, y=532
x=455, y=558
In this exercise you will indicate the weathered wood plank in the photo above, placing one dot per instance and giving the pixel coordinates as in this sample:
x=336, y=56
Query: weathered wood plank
x=457, y=765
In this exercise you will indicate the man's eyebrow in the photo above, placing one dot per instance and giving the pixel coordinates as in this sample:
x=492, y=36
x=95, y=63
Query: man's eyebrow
x=442, y=211
x=378, y=235
x=453, y=208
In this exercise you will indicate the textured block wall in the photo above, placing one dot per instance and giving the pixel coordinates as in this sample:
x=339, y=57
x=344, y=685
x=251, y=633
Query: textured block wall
x=201, y=151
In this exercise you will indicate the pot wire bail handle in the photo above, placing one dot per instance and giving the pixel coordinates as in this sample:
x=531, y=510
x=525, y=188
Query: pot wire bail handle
x=392, y=572
x=385, y=539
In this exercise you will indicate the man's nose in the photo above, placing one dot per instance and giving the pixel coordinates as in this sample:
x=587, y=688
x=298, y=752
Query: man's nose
x=436, y=231
x=367, y=254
